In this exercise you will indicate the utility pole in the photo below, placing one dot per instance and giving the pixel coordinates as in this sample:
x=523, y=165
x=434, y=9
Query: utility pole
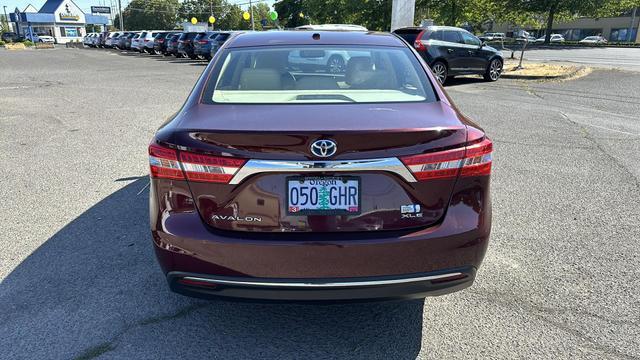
x=6, y=19
x=253, y=27
x=402, y=13
x=630, y=32
x=120, y=13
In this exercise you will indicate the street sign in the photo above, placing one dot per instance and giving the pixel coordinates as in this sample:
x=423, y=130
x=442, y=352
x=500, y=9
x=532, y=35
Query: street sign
x=100, y=10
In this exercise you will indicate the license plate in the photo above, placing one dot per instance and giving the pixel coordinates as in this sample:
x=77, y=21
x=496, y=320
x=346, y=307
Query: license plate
x=323, y=195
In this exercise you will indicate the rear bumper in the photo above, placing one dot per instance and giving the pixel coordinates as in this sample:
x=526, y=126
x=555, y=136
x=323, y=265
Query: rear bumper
x=340, y=289
x=185, y=246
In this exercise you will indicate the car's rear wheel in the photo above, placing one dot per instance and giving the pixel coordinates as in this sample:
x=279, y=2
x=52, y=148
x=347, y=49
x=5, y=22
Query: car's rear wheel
x=440, y=71
x=336, y=64
x=494, y=70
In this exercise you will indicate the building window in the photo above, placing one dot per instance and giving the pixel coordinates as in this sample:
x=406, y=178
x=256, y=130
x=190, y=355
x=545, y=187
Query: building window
x=578, y=34
x=623, y=34
x=69, y=31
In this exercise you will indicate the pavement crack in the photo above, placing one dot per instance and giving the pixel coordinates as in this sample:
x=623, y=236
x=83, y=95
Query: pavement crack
x=587, y=135
x=107, y=346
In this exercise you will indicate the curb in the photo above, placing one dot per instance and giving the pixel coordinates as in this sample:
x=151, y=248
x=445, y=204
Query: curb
x=543, y=77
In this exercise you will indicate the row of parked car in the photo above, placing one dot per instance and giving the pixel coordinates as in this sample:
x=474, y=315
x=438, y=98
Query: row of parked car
x=555, y=38
x=193, y=45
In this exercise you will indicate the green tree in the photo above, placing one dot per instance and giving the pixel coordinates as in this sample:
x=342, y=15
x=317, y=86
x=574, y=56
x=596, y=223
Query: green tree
x=288, y=13
x=4, y=24
x=149, y=14
x=228, y=16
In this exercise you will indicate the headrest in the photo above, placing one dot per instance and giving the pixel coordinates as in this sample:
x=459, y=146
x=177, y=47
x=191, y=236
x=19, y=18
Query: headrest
x=260, y=79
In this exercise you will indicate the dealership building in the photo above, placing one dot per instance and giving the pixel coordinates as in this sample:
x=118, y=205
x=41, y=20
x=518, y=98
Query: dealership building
x=615, y=29
x=62, y=19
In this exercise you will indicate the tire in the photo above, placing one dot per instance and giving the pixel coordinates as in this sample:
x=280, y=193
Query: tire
x=494, y=70
x=440, y=71
x=336, y=64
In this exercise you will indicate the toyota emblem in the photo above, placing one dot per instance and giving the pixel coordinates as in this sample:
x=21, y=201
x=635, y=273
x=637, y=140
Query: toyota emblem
x=324, y=148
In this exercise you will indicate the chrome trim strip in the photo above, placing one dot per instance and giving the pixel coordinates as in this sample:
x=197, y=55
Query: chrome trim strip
x=302, y=284
x=392, y=165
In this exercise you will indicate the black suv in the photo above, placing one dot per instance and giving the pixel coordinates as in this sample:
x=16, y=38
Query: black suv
x=453, y=51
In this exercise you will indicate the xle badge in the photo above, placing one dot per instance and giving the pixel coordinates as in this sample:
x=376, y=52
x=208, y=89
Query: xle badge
x=411, y=211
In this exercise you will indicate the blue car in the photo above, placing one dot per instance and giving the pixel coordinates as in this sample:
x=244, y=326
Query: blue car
x=202, y=44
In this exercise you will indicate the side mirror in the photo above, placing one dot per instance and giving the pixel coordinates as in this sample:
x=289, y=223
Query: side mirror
x=482, y=44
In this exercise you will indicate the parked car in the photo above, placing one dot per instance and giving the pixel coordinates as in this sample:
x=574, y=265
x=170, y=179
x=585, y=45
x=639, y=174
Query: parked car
x=126, y=41
x=148, y=40
x=593, y=40
x=136, y=42
x=112, y=38
x=555, y=38
x=528, y=38
x=493, y=36
x=45, y=39
x=220, y=39
x=268, y=184
x=160, y=42
x=11, y=37
x=102, y=39
x=88, y=39
x=120, y=42
x=172, y=45
x=185, y=45
x=334, y=61
x=451, y=51
x=202, y=44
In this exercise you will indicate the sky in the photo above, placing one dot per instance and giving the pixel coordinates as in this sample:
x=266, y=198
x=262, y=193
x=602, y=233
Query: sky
x=86, y=4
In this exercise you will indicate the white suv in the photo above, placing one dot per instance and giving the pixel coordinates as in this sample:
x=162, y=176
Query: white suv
x=148, y=40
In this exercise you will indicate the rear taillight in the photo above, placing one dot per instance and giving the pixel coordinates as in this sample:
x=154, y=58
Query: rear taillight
x=160, y=41
x=202, y=42
x=472, y=160
x=164, y=164
x=418, y=44
x=209, y=168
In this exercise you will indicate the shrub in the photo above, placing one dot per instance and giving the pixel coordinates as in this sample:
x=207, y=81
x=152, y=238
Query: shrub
x=28, y=43
x=1, y=43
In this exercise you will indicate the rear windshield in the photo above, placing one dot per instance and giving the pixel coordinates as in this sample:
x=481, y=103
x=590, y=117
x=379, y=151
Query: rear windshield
x=318, y=74
x=409, y=35
x=222, y=37
x=188, y=36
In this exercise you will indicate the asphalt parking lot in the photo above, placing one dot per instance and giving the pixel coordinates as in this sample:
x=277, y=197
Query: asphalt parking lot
x=79, y=278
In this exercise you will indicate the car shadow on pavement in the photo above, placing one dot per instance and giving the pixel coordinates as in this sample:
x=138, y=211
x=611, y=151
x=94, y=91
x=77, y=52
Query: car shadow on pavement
x=94, y=289
x=463, y=80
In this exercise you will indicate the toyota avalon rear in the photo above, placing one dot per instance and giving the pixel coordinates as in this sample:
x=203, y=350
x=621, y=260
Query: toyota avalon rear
x=277, y=183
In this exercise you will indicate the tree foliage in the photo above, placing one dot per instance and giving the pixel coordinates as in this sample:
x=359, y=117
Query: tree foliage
x=149, y=14
x=373, y=14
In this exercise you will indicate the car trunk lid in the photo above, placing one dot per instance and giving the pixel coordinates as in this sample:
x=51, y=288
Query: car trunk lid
x=255, y=172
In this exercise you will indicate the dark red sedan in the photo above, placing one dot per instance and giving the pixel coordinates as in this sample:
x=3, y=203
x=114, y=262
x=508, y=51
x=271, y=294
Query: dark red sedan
x=284, y=177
